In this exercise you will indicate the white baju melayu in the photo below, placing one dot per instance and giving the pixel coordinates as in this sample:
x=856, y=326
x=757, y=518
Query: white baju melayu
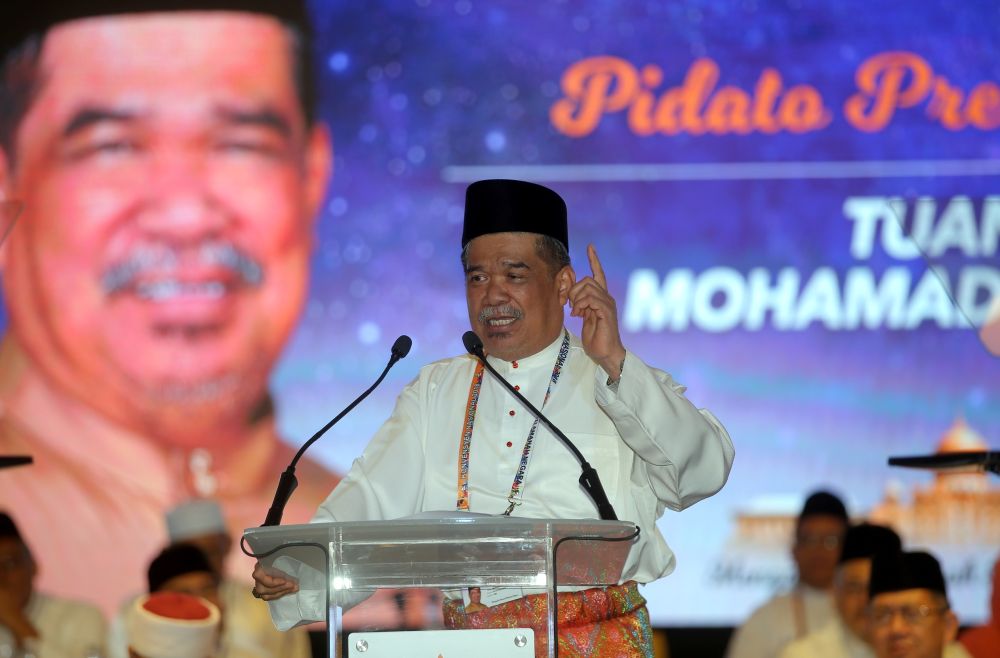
x=835, y=640
x=66, y=629
x=782, y=619
x=652, y=448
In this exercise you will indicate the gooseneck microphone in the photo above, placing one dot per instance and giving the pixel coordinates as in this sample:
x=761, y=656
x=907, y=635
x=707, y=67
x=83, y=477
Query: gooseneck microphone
x=287, y=482
x=589, y=480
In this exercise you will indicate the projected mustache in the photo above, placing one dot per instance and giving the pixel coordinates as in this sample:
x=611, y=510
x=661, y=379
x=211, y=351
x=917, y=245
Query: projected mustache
x=165, y=260
x=502, y=311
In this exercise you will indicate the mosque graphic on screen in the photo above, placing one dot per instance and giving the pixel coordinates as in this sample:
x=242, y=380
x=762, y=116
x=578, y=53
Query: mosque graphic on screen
x=957, y=509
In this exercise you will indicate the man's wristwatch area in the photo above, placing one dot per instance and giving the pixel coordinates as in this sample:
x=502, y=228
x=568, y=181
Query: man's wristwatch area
x=614, y=384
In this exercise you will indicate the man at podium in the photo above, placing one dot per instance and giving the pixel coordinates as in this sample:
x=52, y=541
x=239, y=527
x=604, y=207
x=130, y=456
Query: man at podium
x=458, y=440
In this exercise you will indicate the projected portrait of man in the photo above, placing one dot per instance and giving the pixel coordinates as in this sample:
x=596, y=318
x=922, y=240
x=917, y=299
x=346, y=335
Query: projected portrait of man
x=170, y=171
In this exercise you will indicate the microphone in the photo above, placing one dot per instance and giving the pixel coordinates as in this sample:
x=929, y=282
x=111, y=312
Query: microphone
x=287, y=482
x=589, y=480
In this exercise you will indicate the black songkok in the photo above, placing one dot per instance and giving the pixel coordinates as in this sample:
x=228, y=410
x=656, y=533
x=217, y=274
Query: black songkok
x=8, y=529
x=20, y=20
x=896, y=572
x=823, y=503
x=174, y=561
x=513, y=206
x=865, y=540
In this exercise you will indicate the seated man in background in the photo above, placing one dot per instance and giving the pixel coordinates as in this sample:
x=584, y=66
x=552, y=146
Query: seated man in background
x=819, y=535
x=200, y=523
x=33, y=623
x=172, y=625
x=181, y=569
x=185, y=569
x=908, y=609
x=846, y=635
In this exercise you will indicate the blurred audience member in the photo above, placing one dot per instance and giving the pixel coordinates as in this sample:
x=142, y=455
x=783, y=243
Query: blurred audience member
x=177, y=569
x=200, y=522
x=908, y=610
x=819, y=535
x=245, y=630
x=846, y=635
x=172, y=625
x=246, y=621
x=185, y=569
x=32, y=623
x=984, y=641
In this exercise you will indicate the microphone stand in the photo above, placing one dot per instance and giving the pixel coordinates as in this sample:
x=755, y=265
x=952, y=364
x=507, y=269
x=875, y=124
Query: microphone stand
x=589, y=479
x=288, y=482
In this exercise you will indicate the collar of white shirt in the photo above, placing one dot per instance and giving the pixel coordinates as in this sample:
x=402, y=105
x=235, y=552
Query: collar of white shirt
x=545, y=359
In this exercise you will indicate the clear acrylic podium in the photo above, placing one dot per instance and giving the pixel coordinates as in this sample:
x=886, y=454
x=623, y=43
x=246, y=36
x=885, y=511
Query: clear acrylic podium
x=447, y=552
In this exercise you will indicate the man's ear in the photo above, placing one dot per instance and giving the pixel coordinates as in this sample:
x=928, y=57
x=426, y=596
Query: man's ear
x=565, y=279
x=950, y=627
x=318, y=167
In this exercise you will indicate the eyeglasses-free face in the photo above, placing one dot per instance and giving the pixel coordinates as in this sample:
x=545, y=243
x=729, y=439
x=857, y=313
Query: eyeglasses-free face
x=818, y=541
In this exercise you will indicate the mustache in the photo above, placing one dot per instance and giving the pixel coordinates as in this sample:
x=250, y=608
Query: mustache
x=503, y=311
x=167, y=259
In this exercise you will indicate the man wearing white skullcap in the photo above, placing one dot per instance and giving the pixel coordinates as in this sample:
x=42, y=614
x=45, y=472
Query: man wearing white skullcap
x=172, y=625
x=200, y=522
x=247, y=629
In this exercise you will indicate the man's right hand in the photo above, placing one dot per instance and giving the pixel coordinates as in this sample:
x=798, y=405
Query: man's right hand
x=271, y=584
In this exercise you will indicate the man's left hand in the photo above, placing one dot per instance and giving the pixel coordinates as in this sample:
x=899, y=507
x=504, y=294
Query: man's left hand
x=589, y=299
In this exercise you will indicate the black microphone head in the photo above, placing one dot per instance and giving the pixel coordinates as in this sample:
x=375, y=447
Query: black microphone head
x=402, y=346
x=473, y=344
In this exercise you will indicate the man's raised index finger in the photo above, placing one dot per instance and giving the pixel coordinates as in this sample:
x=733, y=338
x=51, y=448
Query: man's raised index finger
x=595, y=267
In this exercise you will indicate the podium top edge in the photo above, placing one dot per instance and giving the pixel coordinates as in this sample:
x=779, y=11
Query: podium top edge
x=455, y=522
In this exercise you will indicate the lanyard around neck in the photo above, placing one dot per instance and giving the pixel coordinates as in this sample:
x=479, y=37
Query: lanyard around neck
x=516, y=489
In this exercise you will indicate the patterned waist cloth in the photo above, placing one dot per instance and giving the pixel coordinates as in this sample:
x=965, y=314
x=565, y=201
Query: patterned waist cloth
x=605, y=622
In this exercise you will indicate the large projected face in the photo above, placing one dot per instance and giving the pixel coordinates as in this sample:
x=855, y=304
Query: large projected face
x=169, y=182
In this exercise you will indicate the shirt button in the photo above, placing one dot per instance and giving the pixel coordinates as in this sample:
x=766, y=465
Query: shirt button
x=511, y=412
x=510, y=445
x=513, y=364
x=517, y=388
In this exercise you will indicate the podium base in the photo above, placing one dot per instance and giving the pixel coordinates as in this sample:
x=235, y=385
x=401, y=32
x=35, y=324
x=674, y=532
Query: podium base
x=495, y=643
